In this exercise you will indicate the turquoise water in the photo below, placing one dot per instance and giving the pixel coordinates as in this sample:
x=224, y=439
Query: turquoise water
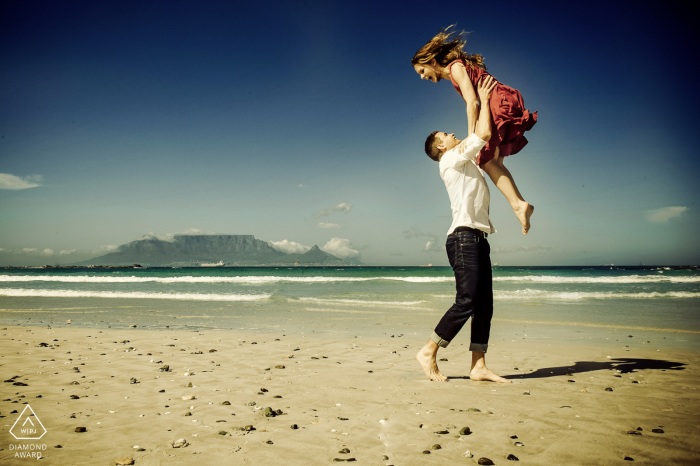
x=558, y=301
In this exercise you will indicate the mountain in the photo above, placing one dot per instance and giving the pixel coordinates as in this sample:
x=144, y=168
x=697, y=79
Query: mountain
x=194, y=250
x=317, y=257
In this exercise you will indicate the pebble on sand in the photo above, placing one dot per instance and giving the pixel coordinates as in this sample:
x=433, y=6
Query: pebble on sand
x=81, y=429
x=608, y=389
x=465, y=431
x=512, y=458
x=657, y=431
x=180, y=443
x=628, y=458
x=124, y=461
x=468, y=454
x=188, y=397
x=436, y=447
x=485, y=461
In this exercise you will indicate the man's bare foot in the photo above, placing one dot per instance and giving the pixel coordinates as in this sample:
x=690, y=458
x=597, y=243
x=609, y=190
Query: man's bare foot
x=426, y=358
x=485, y=374
x=523, y=213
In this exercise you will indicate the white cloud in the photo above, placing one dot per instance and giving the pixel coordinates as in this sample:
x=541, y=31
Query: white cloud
x=328, y=225
x=341, y=248
x=67, y=251
x=665, y=214
x=343, y=207
x=302, y=186
x=8, y=181
x=170, y=237
x=288, y=247
x=33, y=251
x=107, y=248
x=432, y=246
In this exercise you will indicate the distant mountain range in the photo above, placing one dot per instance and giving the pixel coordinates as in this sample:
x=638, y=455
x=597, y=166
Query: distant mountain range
x=228, y=250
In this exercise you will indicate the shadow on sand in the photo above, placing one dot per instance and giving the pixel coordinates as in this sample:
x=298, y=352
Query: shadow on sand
x=624, y=365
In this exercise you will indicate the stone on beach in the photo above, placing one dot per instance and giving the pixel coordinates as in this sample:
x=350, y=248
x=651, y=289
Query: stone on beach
x=124, y=461
x=468, y=454
x=180, y=443
x=465, y=431
x=81, y=429
x=512, y=458
x=485, y=461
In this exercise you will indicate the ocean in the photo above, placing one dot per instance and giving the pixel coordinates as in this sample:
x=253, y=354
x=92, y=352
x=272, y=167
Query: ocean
x=593, y=305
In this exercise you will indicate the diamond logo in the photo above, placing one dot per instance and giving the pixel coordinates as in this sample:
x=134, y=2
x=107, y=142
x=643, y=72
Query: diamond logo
x=28, y=426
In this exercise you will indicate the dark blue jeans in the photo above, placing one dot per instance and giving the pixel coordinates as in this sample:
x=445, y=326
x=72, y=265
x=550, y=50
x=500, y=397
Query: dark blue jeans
x=470, y=259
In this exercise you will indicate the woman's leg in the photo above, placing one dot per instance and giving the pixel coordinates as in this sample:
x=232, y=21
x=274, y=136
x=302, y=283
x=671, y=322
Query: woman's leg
x=503, y=180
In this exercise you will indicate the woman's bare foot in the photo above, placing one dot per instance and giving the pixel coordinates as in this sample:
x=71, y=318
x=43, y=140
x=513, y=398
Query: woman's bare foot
x=485, y=374
x=426, y=359
x=523, y=213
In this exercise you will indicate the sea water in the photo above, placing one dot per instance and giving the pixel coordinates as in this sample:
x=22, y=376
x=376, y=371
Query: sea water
x=598, y=305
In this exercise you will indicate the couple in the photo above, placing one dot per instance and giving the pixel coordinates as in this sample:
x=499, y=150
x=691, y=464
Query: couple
x=496, y=129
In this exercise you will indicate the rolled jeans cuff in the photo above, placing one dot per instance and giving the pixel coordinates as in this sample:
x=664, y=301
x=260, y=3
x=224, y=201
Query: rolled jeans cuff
x=439, y=341
x=480, y=347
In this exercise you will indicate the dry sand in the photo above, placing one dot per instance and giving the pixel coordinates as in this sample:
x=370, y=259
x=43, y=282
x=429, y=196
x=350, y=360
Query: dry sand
x=355, y=398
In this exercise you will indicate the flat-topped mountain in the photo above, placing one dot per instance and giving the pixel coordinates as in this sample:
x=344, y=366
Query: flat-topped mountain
x=209, y=250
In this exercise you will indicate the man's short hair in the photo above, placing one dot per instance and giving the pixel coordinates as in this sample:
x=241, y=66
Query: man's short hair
x=431, y=146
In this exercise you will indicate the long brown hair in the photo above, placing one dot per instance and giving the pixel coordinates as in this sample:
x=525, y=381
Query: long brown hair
x=445, y=49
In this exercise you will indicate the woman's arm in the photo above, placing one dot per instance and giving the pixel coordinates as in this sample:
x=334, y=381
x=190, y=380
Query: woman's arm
x=483, y=127
x=459, y=74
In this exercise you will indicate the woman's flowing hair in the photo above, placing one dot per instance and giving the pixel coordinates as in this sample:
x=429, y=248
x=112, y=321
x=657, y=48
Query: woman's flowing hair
x=446, y=48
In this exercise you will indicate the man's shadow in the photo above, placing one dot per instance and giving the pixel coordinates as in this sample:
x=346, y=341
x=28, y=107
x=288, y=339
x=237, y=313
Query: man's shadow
x=624, y=365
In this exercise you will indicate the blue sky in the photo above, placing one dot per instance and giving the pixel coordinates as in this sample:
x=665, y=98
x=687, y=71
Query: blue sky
x=303, y=123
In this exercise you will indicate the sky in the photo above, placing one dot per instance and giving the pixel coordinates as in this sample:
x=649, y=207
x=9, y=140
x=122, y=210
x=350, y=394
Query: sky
x=303, y=123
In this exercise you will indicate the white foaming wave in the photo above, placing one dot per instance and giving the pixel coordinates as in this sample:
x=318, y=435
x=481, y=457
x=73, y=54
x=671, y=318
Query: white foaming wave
x=361, y=302
x=21, y=292
x=189, y=279
x=626, y=279
x=575, y=295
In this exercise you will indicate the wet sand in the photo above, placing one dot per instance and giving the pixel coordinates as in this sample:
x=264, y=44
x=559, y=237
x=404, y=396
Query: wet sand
x=365, y=399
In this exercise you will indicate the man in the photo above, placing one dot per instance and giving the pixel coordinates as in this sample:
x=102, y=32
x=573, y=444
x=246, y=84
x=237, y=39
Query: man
x=467, y=247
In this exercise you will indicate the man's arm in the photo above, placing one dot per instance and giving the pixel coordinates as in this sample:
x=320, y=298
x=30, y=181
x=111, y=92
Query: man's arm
x=483, y=124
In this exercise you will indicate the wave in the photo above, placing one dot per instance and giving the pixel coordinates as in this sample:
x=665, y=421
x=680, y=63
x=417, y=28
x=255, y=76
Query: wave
x=361, y=302
x=263, y=280
x=576, y=295
x=614, y=280
x=251, y=280
x=132, y=295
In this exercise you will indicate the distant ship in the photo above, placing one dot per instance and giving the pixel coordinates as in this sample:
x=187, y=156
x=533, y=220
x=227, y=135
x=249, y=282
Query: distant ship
x=212, y=264
x=429, y=265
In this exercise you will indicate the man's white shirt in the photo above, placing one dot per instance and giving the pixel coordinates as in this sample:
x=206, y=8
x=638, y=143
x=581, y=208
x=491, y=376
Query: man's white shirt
x=466, y=186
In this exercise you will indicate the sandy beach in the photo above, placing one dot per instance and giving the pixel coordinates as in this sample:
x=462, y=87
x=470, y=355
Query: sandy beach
x=350, y=399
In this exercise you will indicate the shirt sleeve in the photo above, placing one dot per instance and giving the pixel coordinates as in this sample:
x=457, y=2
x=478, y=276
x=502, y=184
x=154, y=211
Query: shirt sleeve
x=466, y=150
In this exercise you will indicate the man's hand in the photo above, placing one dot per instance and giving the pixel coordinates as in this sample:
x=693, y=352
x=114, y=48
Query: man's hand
x=486, y=86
